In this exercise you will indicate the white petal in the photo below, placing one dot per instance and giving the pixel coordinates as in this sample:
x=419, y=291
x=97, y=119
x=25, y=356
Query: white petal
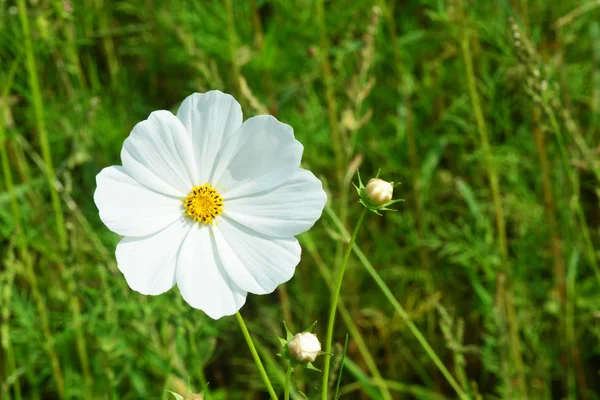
x=148, y=263
x=285, y=211
x=158, y=154
x=262, y=155
x=130, y=209
x=203, y=282
x=210, y=118
x=256, y=263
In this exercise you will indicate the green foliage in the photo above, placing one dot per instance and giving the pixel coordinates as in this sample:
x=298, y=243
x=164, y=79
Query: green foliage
x=401, y=102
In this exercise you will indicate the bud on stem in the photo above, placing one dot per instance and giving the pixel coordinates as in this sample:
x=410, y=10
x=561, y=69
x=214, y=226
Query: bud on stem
x=305, y=347
x=379, y=191
x=377, y=195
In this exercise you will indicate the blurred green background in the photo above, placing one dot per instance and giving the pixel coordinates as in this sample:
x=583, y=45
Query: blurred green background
x=491, y=125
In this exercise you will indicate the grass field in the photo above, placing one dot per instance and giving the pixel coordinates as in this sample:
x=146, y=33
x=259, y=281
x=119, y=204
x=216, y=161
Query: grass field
x=486, y=112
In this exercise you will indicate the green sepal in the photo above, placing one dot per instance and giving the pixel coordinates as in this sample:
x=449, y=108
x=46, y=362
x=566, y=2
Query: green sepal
x=285, y=351
x=177, y=396
x=289, y=335
x=310, y=328
x=311, y=367
x=364, y=199
x=282, y=341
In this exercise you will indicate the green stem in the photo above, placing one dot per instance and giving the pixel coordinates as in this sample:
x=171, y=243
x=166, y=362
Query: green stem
x=413, y=328
x=513, y=327
x=107, y=40
x=204, y=384
x=257, y=361
x=336, y=138
x=201, y=375
x=259, y=41
x=334, y=300
x=399, y=309
x=71, y=50
x=232, y=39
x=274, y=367
x=67, y=274
x=585, y=232
x=5, y=331
x=11, y=272
x=288, y=377
x=556, y=247
x=414, y=161
x=309, y=244
x=22, y=246
x=41, y=126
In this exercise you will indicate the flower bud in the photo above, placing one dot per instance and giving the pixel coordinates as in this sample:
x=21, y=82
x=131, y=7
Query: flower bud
x=304, y=347
x=379, y=192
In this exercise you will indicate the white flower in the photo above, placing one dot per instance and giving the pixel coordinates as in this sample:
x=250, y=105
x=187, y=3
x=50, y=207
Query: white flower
x=305, y=347
x=379, y=192
x=209, y=203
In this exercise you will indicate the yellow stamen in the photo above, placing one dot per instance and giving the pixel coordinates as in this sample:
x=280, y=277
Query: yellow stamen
x=203, y=204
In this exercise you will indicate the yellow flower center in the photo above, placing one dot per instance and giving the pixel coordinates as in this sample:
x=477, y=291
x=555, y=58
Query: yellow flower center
x=203, y=204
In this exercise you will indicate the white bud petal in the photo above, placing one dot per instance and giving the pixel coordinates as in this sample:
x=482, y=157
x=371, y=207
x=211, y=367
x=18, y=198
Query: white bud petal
x=304, y=347
x=379, y=191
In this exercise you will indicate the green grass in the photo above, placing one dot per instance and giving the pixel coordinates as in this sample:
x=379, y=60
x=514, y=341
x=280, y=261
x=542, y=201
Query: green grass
x=491, y=125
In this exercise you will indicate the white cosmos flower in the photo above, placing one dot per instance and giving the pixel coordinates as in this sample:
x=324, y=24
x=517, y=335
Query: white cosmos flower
x=209, y=203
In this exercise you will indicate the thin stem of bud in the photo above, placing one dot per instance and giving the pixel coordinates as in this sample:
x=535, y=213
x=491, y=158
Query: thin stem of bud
x=255, y=355
x=334, y=300
x=288, y=377
x=398, y=307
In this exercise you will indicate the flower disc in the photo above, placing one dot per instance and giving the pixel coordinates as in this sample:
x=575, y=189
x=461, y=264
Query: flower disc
x=203, y=204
